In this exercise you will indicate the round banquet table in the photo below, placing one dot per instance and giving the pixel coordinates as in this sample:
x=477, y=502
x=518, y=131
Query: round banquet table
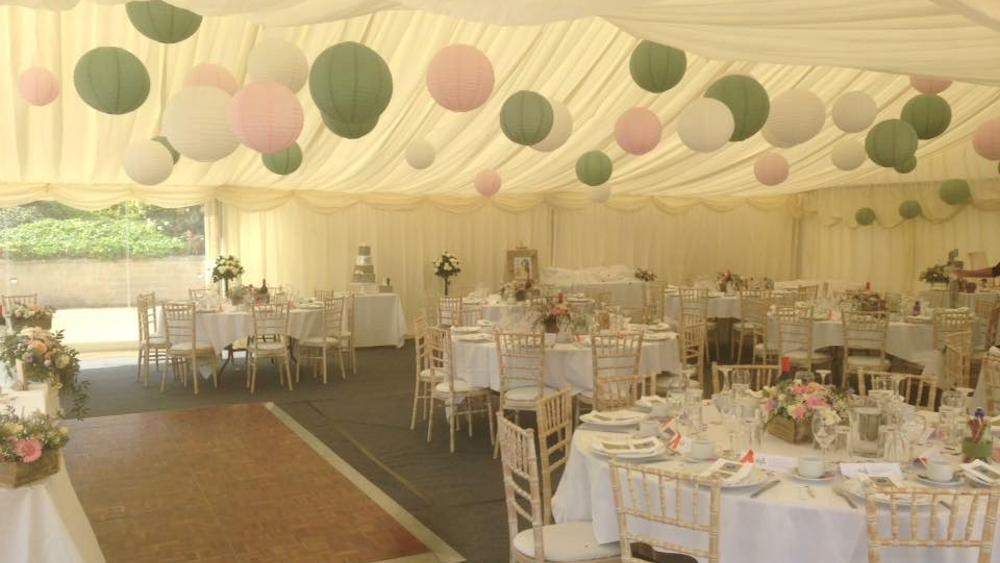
x=720, y=306
x=494, y=312
x=783, y=524
x=223, y=328
x=913, y=342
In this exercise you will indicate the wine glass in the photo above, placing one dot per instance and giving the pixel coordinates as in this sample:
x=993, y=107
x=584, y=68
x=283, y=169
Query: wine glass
x=913, y=428
x=740, y=382
x=823, y=374
x=725, y=376
x=824, y=422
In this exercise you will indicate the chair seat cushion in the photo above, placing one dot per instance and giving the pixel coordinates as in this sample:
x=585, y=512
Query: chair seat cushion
x=525, y=397
x=346, y=335
x=571, y=541
x=868, y=362
x=270, y=346
x=157, y=340
x=425, y=374
x=186, y=348
x=759, y=349
x=461, y=386
x=801, y=356
x=745, y=326
x=317, y=341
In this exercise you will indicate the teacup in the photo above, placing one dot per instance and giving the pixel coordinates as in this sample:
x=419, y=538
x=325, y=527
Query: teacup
x=940, y=471
x=659, y=410
x=702, y=449
x=811, y=467
x=648, y=428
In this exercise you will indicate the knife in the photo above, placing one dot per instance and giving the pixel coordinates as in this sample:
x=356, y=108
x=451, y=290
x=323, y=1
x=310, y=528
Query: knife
x=764, y=488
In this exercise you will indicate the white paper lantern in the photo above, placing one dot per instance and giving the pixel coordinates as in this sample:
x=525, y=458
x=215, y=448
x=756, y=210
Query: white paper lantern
x=772, y=141
x=562, y=128
x=196, y=122
x=420, y=154
x=600, y=194
x=705, y=125
x=848, y=154
x=796, y=116
x=147, y=162
x=854, y=112
x=278, y=61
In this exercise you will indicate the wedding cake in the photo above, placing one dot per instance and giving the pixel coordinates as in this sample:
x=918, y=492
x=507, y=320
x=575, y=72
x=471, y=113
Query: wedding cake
x=364, y=270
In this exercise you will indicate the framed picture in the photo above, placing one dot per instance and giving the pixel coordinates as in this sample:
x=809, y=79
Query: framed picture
x=522, y=263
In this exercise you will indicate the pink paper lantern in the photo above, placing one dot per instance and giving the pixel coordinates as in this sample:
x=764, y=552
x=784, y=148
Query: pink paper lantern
x=266, y=116
x=460, y=77
x=771, y=169
x=38, y=86
x=986, y=139
x=208, y=74
x=638, y=131
x=488, y=182
x=929, y=84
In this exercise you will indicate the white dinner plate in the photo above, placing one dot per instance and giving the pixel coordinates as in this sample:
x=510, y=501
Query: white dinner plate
x=654, y=336
x=856, y=489
x=956, y=480
x=754, y=479
x=648, y=401
x=613, y=418
x=628, y=448
x=825, y=478
x=464, y=329
x=478, y=337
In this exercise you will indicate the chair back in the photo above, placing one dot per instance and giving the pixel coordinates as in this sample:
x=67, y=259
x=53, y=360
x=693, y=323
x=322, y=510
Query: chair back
x=795, y=330
x=694, y=300
x=654, y=300
x=617, y=381
x=450, y=311
x=270, y=323
x=947, y=321
x=600, y=296
x=917, y=390
x=324, y=294
x=11, y=301
x=760, y=375
x=198, y=293
x=420, y=341
x=522, y=361
x=555, y=436
x=333, y=317
x=439, y=357
x=350, y=304
x=807, y=293
x=147, y=318
x=179, y=323
x=984, y=324
x=957, y=360
x=990, y=376
x=692, y=341
x=520, y=483
x=647, y=497
x=150, y=299
x=865, y=331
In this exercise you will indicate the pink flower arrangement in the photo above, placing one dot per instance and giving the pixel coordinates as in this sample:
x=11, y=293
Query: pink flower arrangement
x=796, y=400
x=28, y=450
x=27, y=312
x=24, y=439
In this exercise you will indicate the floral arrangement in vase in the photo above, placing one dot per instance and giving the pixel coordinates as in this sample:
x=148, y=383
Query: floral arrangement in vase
x=791, y=405
x=226, y=269
x=31, y=315
x=555, y=318
x=727, y=278
x=644, y=275
x=445, y=267
x=39, y=355
x=934, y=274
x=29, y=446
x=868, y=302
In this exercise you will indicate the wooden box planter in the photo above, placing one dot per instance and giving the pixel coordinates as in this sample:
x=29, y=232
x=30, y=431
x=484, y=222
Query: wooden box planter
x=790, y=430
x=13, y=474
x=17, y=325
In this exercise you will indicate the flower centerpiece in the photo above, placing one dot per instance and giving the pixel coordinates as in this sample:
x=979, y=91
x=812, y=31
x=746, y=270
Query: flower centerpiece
x=791, y=405
x=445, y=267
x=934, y=275
x=226, y=269
x=555, y=318
x=644, y=275
x=29, y=447
x=867, y=301
x=36, y=354
x=25, y=315
x=727, y=279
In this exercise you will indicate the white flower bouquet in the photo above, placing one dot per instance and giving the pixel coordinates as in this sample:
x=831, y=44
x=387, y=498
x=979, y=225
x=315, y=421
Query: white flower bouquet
x=447, y=266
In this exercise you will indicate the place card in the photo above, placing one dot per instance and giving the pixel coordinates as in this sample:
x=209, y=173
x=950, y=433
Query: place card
x=777, y=462
x=857, y=470
x=982, y=471
x=729, y=471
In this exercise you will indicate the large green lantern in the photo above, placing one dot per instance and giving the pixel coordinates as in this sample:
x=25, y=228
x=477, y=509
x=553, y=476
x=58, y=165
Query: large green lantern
x=907, y=166
x=526, y=117
x=284, y=162
x=350, y=83
x=929, y=114
x=748, y=101
x=910, y=209
x=173, y=152
x=593, y=168
x=162, y=22
x=955, y=191
x=348, y=130
x=865, y=216
x=891, y=142
x=657, y=68
x=111, y=80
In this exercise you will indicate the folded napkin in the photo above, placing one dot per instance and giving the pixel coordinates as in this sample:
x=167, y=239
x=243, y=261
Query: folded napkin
x=853, y=470
x=731, y=472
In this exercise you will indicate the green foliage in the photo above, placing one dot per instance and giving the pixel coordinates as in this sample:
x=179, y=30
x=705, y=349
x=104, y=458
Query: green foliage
x=103, y=238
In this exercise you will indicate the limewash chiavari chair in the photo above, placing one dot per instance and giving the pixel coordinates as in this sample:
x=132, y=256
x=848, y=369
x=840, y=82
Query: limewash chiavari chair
x=541, y=543
x=947, y=321
x=795, y=337
x=270, y=340
x=316, y=348
x=653, y=296
x=324, y=294
x=917, y=390
x=422, y=377
x=183, y=347
x=807, y=293
x=990, y=374
x=150, y=298
x=152, y=346
x=755, y=311
x=760, y=375
x=691, y=343
x=694, y=301
x=949, y=521
x=984, y=327
x=957, y=360
x=348, y=332
x=449, y=311
x=555, y=437
x=196, y=294
x=642, y=501
x=453, y=393
x=749, y=324
x=522, y=371
x=617, y=382
x=11, y=301
x=865, y=335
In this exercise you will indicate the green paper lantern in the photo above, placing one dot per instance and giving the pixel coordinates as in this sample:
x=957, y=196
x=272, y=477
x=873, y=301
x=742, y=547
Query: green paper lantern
x=955, y=192
x=284, y=162
x=350, y=83
x=910, y=209
x=526, y=117
x=162, y=22
x=593, y=168
x=907, y=166
x=656, y=68
x=929, y=114
x=891, y=142
x=173, y=152
x=111, y=80
x=748, y=101
x=349, y=130
x=865, y=216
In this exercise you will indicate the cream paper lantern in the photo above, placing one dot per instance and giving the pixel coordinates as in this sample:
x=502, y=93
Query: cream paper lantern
x=599, y=194
x=777, y=143
x=854, y=112
x=848, y=154
x=196, y=122
x=147, y=162
x=771, y=169
x=277, y=60
x=929, y=84
x=705, y=125
x=562, y=128
x=209, y=74
x=420, y=154
x=796, y=116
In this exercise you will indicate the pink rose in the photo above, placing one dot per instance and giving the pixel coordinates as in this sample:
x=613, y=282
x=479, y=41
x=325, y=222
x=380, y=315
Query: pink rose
x=799, y=412
x=814, y=402
x=28, y=450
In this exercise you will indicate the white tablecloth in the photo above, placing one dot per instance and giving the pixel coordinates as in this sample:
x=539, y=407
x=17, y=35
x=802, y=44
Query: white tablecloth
x=379, y=320
x=719, y=307
x=500, y=310
x=913, y=342
x=630, y=293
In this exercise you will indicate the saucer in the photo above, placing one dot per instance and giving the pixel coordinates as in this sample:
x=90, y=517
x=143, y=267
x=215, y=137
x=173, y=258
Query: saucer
x=828, y=476
x=956, y=480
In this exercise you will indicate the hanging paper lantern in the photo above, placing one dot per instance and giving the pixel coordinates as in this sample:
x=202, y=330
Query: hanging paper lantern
x=771, y=169
x=266, y=116
x=986, y=139
x=865, y=216
x=173, y=152
x=772, y=141
x=162, y=22
x=196, y=122
x=705, y=125
x=907, y=166
x=111, y=80
x=562, y=128
x=638, y=131
x=38, y=86
x=284, y=162
x=910, y=209
x=488, y=182
x=460, y=77
x=351, y=84
x=348, y=130
x=593, y=168
x=955, y=192
x=929, y=85
x=796, y=116
x=147, y=162
x=599, y=194
x=656, y=68
x=891, y=142
x=526, y=117
x=854, y=112
x=208, y=74
x=420, y=154
x=929, y=115
x=277, y=60
x=746, y=99
x=847, y=154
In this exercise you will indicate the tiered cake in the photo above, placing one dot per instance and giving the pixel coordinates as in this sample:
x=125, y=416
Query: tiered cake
x=364, y=270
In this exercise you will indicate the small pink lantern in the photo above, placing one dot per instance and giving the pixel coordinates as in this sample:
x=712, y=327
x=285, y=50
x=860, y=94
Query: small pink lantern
x=929, y=84
x=266, y=116
x=986, y=139
x=460, y=77
x=771, y=169
x=638, y=131
x=488, y=182
x=208, y=74
x=38, y=86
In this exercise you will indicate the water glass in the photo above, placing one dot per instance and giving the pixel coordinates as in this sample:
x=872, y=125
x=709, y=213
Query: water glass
x=740, y=381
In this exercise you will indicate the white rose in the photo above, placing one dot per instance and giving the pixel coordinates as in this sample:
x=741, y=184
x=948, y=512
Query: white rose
x=62, y=362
